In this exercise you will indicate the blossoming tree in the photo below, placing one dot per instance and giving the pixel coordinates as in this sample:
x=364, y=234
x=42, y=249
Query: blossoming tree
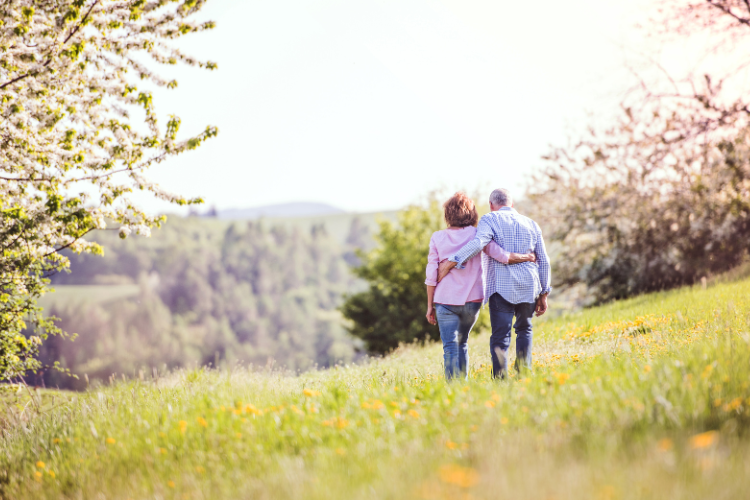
x=661, y=198
x=72, y=149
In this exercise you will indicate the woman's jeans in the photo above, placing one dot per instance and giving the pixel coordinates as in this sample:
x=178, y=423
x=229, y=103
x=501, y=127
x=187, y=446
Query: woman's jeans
x=455, y=323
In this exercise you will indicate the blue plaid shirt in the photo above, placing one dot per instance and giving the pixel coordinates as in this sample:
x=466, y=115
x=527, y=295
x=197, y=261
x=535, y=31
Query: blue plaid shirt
x=516, y=283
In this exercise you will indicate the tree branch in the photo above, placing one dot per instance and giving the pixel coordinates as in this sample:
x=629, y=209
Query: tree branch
x=21, y=179
x=729, y=12
x=14, y=81
x=127, y=169
x=57, y=250
x=74, y=31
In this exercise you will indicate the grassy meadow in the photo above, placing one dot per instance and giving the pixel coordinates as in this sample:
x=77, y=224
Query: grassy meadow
x=642, y=398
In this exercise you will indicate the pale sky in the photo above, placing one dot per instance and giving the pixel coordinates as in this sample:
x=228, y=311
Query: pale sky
x=368, y=105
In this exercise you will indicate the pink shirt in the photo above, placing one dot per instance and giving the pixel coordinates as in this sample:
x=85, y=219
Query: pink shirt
x=461, y=285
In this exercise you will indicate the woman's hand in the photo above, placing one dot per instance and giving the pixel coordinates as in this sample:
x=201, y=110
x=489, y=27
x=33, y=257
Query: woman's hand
x=431, y=315
x=444, y=268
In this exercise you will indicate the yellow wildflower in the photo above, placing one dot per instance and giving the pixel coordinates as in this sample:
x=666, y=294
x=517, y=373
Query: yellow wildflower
x=413, y=413
x=735, y=404
x=52, y=474
x=489, y=404
x=310, y=394
x=183, y=426
x=504, y=420
x=38, y=476
x=40, y=464
x=111, y=441
x=664, y=444
x=607, y=492
x=202, y=422
x=170, y=484
x=341, y=451
x=450, y=445
x=253, y=410
x=199, y=469
x=704, y=440
x=464, y=477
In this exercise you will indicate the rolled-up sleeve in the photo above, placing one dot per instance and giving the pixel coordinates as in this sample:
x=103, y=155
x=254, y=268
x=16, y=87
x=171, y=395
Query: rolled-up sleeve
x=542, y=260
x=497, y=252
x=433, y=260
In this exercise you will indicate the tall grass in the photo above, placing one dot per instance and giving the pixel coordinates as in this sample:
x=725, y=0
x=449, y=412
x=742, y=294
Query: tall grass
x=644, y=398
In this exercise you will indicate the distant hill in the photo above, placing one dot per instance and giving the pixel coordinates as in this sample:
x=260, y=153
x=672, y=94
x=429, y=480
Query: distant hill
x=299, y=209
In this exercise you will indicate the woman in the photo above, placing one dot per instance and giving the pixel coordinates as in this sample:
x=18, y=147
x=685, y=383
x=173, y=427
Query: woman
x=454, y=302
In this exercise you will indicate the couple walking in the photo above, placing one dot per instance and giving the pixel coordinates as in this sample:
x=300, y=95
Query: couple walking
x=512, y=274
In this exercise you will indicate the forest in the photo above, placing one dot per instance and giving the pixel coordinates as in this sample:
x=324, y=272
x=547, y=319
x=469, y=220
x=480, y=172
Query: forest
x=203, y=292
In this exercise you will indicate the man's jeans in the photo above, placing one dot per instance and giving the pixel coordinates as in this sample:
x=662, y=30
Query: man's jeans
x=455, y=323
x=501, y=317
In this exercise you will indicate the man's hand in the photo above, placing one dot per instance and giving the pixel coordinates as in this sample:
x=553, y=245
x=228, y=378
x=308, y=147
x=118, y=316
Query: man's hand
x=444, y=268
x=431, y=315
x=517, y=258
x=541, y=305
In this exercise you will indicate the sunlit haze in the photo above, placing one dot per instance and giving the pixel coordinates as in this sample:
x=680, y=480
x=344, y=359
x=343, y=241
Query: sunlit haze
x=370, y=105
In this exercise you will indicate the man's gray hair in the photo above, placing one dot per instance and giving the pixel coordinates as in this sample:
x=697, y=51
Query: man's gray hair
x=501, y=198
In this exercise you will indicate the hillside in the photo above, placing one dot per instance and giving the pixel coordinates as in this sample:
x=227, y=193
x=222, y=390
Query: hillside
x=646, y=398
x=204, y=290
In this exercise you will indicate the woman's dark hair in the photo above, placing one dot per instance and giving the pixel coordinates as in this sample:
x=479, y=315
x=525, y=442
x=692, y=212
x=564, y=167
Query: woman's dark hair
x=460, y=211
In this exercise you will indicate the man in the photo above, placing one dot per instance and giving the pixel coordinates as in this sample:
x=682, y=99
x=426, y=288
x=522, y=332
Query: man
x=512, y=290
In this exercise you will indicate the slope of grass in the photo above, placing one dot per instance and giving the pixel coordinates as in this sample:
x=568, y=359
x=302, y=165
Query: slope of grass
x=644, y=398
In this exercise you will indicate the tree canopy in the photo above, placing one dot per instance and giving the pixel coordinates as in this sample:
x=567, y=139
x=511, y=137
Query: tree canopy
x=78, y=130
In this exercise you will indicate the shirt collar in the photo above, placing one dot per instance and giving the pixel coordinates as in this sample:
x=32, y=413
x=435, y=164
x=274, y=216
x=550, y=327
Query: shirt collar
x=505, y=209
